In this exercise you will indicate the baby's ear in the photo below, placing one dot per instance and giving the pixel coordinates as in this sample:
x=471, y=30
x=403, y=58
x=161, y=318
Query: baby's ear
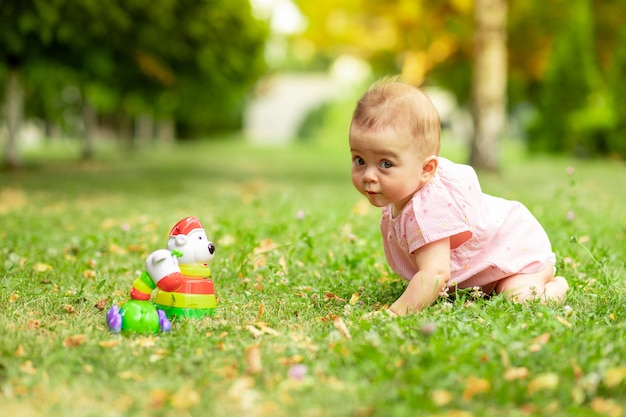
x=430, y=165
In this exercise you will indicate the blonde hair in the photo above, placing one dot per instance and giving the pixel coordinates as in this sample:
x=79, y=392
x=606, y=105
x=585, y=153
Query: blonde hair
x=393, y=104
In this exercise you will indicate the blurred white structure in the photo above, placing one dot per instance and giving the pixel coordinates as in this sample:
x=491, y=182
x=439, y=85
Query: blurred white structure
x=281, y=104
x=282, y=101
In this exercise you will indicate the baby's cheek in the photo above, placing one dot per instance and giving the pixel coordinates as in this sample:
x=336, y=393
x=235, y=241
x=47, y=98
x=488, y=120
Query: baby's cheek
x=356, y=182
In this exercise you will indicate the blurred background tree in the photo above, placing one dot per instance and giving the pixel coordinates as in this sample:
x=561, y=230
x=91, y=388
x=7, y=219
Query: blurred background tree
x=186, y=64
x=565, y=60
x=183, y=69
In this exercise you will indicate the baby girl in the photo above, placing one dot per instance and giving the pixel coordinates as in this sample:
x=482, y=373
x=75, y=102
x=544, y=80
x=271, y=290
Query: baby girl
x=439, y=229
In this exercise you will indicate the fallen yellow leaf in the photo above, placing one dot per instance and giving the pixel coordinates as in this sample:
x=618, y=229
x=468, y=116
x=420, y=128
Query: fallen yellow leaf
x=292, y=360
x=475, y=386
x=130, y=375
x=28, y=368
x=69, y=309
x=441, y=397
x=354, y=299
x=607, y=406
x=331, y=296
x=19, y=352
x=158, y=397
x=542, y=339
x=109, y=343
x=614, y=376
x=42, y=267
x=543, y=382
x=255, y=332
x=89, y=273
x=515, y=373
x=185, y=398
x=340, y=325
x=267, y=330
x=74, y=341
x=563, y=321
x=146, y=342
x=253, y=359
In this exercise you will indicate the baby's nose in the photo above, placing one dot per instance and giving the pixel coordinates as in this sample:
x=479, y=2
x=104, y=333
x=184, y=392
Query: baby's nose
x=369, y=175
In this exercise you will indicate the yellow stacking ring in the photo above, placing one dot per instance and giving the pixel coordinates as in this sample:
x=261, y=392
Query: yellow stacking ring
x=182, y=300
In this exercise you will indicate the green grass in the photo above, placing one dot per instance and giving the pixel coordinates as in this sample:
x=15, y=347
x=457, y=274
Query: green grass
x=75, y=235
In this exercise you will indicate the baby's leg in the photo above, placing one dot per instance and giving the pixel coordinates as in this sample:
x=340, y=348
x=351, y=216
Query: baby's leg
x=543, y=285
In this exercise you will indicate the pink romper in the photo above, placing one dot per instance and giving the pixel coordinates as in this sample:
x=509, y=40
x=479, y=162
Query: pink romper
x=490, y=237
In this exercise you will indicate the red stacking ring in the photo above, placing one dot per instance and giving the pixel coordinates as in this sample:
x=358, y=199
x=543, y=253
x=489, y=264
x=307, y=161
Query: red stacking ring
x=196, y=286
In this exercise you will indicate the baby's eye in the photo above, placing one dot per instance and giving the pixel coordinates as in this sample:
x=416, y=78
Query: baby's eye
x=358, y=160
x=386, y=164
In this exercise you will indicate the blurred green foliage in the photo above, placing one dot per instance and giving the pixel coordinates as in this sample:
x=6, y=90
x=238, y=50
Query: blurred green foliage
x=191, y=61
x=567, y=59
x=577, y=109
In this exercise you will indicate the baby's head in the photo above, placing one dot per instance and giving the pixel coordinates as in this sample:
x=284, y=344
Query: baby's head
x=391, y=104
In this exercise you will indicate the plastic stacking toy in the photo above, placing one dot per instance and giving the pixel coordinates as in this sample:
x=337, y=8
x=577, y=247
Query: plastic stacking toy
x=179, y=274
x=195, y=296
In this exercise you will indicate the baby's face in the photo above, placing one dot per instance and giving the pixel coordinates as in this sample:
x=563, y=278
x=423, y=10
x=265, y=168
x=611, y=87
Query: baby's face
x=386, y=166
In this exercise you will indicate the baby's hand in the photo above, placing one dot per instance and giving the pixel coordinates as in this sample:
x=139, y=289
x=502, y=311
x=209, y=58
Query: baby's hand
x=384, y=313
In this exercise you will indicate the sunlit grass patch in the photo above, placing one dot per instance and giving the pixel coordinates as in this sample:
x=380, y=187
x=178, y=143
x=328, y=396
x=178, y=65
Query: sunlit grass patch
x=298, y=265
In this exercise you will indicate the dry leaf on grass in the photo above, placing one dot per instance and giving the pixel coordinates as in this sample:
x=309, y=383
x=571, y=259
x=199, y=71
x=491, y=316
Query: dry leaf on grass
x=331, y=296
x=253, y=359
x=543, y=382
x=130, y=375
x=89, y=273
x=564, y=322
x=607, y=406
x=42, y=267
x=28, y=368
x=614, y=376
x=74, y=341
x=291, y=360
x=19, y=352
x=255, y=332
x=243, y=394
x=261, y=329
x=538, y=342
x=109, y=343
x=441, y=397
x=267, y=330
x=340, y=325
x=158, y=397
x=354, y=299
x=475, y=386
x=185, y=398
x=69, y=309
x=101, y=305
x=145, y=342
x=512, y=374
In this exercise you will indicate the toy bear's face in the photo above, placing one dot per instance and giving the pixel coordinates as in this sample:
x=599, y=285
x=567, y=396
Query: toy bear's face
x=195, y=247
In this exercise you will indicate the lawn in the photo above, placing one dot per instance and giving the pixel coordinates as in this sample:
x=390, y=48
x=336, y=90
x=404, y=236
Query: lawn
x=298, y=264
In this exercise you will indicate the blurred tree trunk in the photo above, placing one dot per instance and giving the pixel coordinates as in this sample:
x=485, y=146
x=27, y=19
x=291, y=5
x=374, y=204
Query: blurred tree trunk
x=91, y=128
x=489, y=82
x=166, y=130
x=144, y=129
x=13, y=114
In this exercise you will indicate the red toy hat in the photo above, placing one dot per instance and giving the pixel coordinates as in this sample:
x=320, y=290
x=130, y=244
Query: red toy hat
x=186, y=226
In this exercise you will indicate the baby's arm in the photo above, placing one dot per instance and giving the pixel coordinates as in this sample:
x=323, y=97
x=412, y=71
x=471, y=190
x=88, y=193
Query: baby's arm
x=433, y=263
